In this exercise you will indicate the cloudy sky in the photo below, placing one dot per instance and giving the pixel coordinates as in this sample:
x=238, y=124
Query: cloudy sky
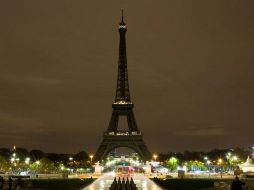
x=190, y=62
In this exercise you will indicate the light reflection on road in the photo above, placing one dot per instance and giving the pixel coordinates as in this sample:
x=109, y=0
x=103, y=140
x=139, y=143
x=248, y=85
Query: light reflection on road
x=104, y=182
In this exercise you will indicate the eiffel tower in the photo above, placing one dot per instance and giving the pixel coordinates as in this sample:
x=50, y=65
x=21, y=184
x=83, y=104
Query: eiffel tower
x=122, y=107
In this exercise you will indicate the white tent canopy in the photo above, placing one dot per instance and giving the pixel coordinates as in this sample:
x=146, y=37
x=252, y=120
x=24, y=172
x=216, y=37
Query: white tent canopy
x=248, y=166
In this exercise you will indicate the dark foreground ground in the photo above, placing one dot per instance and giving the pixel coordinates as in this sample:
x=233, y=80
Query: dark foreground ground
x=49, y=184
x=200, y=184
x=168, y=184
x=185, y=184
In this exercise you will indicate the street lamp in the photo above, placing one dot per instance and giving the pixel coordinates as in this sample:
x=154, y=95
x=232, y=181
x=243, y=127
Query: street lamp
x=220, y=161
x=155, y=156
x=208, y=162
x=91, y=158
x=27, y=160
x=228, y=156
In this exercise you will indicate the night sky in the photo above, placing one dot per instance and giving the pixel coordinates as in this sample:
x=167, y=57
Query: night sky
x=190, y=63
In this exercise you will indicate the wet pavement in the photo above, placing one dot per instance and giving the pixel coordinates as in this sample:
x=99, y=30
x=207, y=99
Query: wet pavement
x=105, y=181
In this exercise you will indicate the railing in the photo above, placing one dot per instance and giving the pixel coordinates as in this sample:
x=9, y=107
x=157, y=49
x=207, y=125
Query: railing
x=123, y=133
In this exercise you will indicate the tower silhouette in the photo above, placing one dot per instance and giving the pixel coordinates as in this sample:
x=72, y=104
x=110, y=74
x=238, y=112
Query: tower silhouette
x=122, y=107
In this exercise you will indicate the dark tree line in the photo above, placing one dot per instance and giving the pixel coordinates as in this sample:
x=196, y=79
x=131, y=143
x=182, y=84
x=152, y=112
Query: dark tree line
x=214, y=154
x=23, y=153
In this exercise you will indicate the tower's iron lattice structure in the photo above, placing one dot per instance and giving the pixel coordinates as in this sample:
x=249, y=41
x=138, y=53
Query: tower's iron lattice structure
x=132, y=137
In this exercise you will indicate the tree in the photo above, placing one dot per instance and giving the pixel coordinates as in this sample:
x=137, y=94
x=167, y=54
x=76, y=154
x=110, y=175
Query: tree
x=22, y=153
x=5, y=152
x=81, y=156
x=43, y=166
x=37, y=154
x=195, y=165
x=172, y=163
x=4, y=165
x=232, y=161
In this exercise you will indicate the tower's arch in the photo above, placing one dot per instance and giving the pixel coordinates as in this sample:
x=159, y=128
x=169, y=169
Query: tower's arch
x=123, y=145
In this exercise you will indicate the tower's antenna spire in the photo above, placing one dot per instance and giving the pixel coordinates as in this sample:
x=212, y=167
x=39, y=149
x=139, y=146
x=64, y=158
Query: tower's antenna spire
x=122, y=15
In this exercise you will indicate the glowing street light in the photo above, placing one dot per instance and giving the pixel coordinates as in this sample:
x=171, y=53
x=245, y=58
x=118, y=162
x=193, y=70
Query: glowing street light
x=37, y=162
x=27, y=160
x=228, y=156
x=91, y=158
x=70, y=158
x=220, y=161
x=155, y=156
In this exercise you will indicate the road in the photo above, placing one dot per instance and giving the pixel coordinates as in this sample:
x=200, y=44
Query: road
x=104, y=182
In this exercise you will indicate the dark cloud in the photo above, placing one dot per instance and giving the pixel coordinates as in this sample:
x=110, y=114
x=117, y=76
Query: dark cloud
x=202, y=131
x=28, y=80
x=190, y=69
